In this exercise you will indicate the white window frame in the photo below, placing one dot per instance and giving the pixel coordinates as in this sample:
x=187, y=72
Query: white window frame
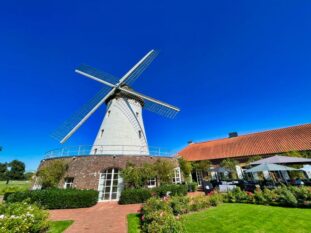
x=115, y=176
x=199, y=175
x=177, y=176
x=152, y=183
x=68, y=184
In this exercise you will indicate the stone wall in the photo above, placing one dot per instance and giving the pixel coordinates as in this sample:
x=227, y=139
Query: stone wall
x=86, y=169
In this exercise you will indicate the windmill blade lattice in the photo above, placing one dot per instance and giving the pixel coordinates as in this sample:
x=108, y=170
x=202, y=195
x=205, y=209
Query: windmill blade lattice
x=141, y=68
x=98, y=74
x=160, y=109
x=74, y=120
x=153, y=105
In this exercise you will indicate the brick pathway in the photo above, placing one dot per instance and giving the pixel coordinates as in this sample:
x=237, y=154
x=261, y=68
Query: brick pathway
x=101, y=218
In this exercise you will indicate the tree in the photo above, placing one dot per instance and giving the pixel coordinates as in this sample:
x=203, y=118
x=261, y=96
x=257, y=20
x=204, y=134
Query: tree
x=17, y=170
x=137, y=176
x=164, y=171
x=186, y=168
x=300, y=154
x=230, y=164
x=29, y=175
x=201, y=165
x=52, y=172
x=3, y=171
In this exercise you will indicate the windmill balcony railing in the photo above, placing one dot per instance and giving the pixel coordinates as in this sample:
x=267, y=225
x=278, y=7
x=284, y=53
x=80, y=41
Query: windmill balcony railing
x=87, y=150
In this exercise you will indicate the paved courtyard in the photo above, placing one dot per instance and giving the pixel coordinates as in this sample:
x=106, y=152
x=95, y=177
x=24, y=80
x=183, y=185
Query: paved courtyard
x=101, y=218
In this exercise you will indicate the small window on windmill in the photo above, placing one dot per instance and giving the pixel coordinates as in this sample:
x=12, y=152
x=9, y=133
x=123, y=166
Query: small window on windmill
x=139, y=133
x=68, y=182
x=102, y=133
x=108, y=114
x=95, y=151
x=137, y=114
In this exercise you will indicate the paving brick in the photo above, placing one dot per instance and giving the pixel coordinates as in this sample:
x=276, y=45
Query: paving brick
x=104, y=217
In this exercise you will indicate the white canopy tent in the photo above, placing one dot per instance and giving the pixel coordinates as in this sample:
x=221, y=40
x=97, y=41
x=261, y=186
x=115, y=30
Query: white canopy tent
x=281, y=159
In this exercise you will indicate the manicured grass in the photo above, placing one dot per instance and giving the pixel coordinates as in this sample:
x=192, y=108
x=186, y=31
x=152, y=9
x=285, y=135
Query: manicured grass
x=240, y=218
x=133, y=221
x=16, y=185
x=59, y=226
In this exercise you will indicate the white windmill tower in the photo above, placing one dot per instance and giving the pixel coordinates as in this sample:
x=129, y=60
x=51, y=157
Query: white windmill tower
x=122, y=130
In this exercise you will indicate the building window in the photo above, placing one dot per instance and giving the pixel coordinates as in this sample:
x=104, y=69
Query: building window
x=139, y=133
x=110, y=184
x=108, y=113
x=137, y=114
x=101, y=133
x=177, y=176
x=199, y=175
x=152, y=183
x=95, y=151
x=68, y=182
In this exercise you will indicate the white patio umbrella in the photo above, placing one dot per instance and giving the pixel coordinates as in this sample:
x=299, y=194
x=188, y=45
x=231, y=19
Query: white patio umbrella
x=271, y=167
x=282, y=159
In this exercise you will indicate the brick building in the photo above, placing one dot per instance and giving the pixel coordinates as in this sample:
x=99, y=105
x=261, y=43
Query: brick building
x=241, y=148
x=102, y=172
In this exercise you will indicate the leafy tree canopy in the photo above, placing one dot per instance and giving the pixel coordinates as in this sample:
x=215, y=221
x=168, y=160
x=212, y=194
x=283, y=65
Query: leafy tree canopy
x=186, y=168
x=17, y=170
x=52, y=172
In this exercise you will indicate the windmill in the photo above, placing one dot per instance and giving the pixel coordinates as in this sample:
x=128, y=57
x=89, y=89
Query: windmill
x=122, y=130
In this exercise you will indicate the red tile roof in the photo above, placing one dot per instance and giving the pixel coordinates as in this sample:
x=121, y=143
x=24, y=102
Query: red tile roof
x=296, y=138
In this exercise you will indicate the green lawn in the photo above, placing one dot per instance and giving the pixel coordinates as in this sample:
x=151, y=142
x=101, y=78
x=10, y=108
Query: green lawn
x=133, y=221
x=241, y=218
x=14, y=185
x=59, y=226
x=249, y=218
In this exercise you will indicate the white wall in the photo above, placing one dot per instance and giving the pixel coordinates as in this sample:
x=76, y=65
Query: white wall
x=119, y=131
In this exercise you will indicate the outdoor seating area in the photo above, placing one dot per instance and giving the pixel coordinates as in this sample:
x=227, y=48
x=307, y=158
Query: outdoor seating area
x=269, y=173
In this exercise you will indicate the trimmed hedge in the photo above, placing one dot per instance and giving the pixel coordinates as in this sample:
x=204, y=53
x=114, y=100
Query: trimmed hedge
x=172, y=189
x=132, y=196
x=57, y=198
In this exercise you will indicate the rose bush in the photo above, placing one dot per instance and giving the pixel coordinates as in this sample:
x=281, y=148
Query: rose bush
x=22, y=217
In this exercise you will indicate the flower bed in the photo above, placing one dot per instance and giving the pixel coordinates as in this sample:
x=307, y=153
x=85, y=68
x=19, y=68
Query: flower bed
x=165, y=215
x=282, y=196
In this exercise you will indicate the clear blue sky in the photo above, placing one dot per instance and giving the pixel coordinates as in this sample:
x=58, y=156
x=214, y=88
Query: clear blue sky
x=229, y=65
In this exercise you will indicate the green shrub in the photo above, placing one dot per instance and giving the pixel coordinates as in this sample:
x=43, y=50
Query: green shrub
x=162, y=222
x=22, y=217
x=192, y=187
x=57, y=198
x=259, y=197
x=270, y=196
x=172, y=189
x=199, y=203
x=131, y=196
x=155, y=204
x=215, y=199
x=302, y=194
x=179, y=204
x=286, y=197
x=237, y=195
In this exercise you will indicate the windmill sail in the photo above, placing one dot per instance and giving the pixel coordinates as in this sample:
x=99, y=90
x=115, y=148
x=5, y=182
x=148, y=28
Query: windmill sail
x=97, y=75
x=140, y=67
x=78, y=118
x=154, y=105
